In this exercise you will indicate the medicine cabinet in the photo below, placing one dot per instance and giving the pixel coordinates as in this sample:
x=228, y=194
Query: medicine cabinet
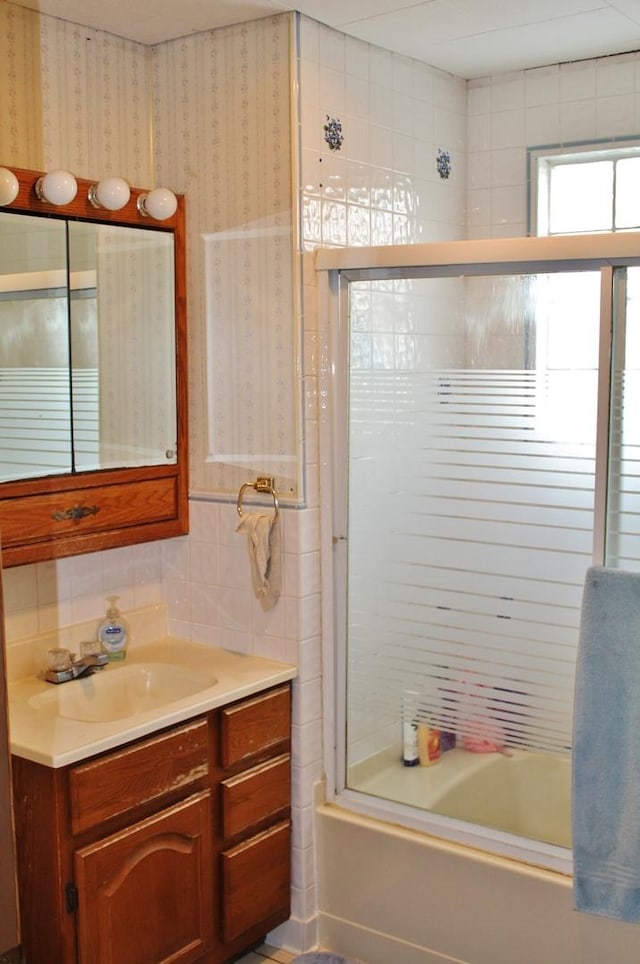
x=93, y=394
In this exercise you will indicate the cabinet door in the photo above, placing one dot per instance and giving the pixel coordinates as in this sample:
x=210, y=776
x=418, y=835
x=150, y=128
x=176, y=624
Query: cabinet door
x=145, y=894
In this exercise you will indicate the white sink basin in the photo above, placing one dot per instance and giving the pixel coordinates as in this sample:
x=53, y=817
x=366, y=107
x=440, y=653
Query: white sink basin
x=118, y=692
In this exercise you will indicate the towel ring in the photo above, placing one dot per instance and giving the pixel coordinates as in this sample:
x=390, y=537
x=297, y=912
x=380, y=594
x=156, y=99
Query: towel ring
x=264, y=483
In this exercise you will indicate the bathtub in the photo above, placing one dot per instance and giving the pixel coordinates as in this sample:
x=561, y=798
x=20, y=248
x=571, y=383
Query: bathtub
x=481, y=877
x=388, y=894
x=526, y=794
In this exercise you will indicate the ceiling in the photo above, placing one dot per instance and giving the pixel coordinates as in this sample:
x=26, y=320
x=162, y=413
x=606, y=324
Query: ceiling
x=469, y=38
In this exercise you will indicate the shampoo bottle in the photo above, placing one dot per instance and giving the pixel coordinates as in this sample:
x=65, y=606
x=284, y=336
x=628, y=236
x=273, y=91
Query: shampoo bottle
x=410, y=756
x=113, y=631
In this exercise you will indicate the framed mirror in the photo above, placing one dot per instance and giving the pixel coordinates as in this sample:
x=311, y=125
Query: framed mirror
x=92, y=374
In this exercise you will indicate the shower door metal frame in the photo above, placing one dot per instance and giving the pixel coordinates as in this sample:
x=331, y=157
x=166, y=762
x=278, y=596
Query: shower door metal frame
x=336, y=269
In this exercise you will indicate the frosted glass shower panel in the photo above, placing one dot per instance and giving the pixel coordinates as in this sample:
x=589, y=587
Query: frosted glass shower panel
x=472, y=429
x=623, y=515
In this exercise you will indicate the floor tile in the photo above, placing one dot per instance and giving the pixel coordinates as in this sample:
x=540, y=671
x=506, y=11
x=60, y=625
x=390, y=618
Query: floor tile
x=265, y=954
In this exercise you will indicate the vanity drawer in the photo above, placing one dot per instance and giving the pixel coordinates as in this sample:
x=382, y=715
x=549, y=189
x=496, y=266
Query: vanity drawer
x=119, y=781
x=255, y=795
x=255, y=880
x=103, y=507
x=255, y=726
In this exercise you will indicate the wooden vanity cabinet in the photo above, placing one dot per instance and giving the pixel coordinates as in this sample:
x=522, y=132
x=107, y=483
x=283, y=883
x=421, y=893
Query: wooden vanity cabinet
x=174, y=848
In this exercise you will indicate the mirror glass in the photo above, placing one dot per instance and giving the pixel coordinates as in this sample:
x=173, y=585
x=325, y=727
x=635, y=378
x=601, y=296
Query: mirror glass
x=87, y=347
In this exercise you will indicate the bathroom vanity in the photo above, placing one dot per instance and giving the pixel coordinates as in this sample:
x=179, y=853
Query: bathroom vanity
x=173, y=846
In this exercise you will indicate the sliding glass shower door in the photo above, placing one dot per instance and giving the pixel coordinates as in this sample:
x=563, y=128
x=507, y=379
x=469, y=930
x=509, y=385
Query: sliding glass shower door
x=473, y=443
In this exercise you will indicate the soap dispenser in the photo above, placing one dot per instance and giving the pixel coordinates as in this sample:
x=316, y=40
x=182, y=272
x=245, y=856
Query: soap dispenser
x=113, y=632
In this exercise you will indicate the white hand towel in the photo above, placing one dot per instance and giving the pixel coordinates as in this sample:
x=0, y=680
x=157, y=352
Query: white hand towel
x=263, y=545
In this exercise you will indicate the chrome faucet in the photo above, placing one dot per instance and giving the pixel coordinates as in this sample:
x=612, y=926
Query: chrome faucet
x=65, y=666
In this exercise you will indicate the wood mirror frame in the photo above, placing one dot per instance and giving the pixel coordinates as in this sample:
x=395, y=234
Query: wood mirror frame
x=63, y=515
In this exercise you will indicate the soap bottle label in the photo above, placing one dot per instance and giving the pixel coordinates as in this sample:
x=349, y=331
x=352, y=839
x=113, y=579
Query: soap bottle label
x=113, y=639
x=112, y=632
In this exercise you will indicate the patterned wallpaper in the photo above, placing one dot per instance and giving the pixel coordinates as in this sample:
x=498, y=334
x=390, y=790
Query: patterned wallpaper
x=72, y=97
x=78, y=98
x=225, y=97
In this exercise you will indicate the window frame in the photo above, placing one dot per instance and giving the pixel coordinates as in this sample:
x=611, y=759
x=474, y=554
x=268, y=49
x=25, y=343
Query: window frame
x=542, y=159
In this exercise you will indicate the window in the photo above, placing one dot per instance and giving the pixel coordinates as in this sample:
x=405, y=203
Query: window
x=585, y=190
x=593, y=189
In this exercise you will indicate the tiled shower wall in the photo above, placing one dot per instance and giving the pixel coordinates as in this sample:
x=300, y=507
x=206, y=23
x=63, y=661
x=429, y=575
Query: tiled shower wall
x=382, y=184
x=590, y=100
x=507, y=114
x=378, y=183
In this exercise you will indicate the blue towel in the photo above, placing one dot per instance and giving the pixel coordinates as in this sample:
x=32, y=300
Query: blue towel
x=606, y=747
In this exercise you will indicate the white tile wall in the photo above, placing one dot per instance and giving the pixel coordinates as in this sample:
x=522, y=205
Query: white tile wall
x=382, y=186
x=508, y=113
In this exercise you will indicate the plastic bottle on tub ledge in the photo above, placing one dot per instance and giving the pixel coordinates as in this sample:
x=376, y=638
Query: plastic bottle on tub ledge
x=429, y=745
x=410, y=753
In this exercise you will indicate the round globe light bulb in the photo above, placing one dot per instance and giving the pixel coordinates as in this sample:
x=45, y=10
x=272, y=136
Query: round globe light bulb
x=9, y=186
x=112, y=193
x=159, y=204
x=57, y=187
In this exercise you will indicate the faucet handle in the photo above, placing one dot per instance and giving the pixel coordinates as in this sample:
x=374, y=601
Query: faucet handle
x=63, y=665
x=60, y=663
x=90, y=647
x=59, y=659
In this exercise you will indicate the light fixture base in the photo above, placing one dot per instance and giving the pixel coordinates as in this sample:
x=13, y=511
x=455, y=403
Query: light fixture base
x=112, y=194
x=56, y=187
x=159, y=204
x=9, y=186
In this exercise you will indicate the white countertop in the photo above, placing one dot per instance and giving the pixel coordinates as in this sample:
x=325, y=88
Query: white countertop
x=41, y=735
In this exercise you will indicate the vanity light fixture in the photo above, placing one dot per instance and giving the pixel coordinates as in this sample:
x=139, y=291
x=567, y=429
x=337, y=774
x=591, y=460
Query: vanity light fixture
x=159, y=204
x=112, y=193
x=9, y=186
x=56, y=187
